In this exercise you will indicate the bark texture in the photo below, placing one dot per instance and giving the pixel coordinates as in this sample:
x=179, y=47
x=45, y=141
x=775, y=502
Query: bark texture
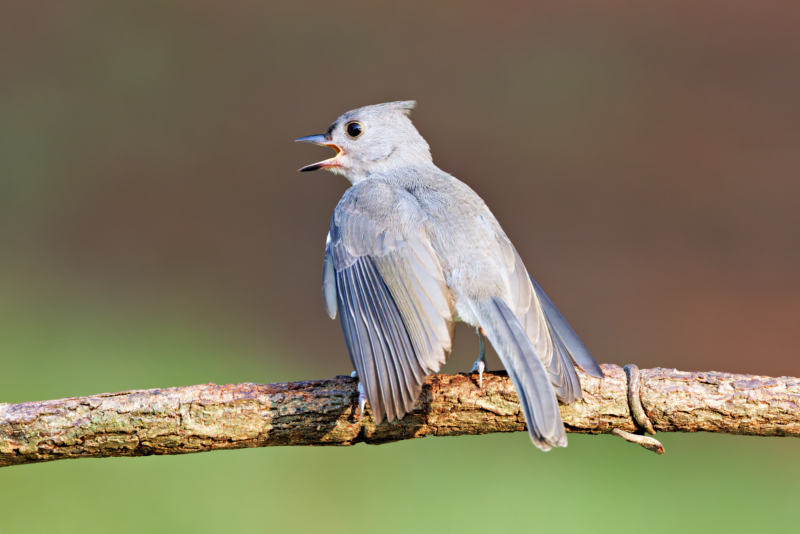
x=325, y=412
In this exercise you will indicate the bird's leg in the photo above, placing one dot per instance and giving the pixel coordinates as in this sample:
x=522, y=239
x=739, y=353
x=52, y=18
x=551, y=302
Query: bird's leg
x=362, y=397
x=362, y=401
x=480, y=365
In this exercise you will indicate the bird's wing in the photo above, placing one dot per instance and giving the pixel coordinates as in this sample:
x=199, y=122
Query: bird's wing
x=555, y=342
x=386, y=281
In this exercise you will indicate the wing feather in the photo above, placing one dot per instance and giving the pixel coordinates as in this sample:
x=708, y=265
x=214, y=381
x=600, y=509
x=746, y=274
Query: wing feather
x=329, y=281
x=580, y=354
x=394, y=305
x=554, y=341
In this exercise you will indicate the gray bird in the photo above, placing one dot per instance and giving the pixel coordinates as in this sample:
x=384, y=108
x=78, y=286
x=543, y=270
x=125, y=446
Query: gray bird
x=411, y=250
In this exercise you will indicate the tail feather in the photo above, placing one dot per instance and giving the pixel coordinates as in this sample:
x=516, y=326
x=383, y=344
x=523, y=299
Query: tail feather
x=569, y=339
x=563, y=377
x=530, y=378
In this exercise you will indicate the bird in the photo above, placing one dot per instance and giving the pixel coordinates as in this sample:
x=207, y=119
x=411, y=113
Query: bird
x=410, y=251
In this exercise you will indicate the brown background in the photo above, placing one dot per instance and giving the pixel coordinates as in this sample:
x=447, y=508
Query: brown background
x=643, y=157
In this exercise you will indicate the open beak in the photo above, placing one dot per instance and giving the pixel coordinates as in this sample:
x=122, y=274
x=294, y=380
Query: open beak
x=322, y=140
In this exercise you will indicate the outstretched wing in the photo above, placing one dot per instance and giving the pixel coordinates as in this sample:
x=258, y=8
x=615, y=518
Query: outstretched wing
x=383, y=276
x=554, y=340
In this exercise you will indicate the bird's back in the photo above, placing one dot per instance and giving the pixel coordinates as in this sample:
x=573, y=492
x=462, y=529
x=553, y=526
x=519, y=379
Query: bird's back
x=474, y=252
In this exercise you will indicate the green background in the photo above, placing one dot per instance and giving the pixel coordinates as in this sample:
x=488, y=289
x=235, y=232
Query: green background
x=462, y=484
x=153, y=232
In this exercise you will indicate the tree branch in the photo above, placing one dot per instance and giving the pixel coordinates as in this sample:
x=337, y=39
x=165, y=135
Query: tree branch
x=324, y=412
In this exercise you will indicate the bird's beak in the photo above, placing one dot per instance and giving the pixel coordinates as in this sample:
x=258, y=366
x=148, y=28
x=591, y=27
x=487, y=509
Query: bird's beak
x=323, y=140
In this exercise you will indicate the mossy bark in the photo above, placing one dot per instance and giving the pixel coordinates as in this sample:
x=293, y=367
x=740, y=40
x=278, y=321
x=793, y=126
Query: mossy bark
x=324, y=412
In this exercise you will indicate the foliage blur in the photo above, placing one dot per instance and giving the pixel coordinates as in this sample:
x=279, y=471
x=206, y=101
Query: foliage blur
x=643, y=157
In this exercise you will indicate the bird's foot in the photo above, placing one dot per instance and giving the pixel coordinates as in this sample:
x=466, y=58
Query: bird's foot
x=479, y=367
x=362, y=397
x=362, y=401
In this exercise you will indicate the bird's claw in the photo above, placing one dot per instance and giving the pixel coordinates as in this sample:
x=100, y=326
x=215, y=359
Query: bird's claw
x=479, y=367
x=362, y=401
x=362, y=397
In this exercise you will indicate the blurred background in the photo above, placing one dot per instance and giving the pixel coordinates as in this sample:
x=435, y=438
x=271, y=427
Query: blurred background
x=643, y=158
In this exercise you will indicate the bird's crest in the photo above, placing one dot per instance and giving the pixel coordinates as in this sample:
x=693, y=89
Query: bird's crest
x=405, y=106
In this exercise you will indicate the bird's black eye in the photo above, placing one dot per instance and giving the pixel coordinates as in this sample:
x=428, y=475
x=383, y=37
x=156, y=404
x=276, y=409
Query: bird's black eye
x=354, y=129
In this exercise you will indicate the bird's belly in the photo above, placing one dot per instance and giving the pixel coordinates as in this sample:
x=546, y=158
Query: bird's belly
x=473, y=260
x=464, y=313
x=469, y=285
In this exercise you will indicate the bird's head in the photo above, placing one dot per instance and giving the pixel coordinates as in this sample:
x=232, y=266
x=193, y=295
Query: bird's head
x=371, y=139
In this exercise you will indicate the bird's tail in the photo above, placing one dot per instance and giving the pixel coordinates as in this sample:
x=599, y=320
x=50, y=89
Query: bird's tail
x=526, y=370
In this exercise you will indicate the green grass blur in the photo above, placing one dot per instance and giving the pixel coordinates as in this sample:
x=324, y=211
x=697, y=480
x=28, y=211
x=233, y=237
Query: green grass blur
x=466, y=484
